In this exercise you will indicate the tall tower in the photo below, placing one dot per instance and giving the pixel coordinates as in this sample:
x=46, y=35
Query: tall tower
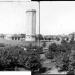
x=31, y=25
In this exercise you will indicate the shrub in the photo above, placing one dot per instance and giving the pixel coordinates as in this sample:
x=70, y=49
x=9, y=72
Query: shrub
x=49, y=55
x=44, y=44
x=2, y=45
x=11, y=57
x=35, y=50
x=33, y=63
x=65, y=63
x=71, y=66
x=54, y=51
x=61, y=55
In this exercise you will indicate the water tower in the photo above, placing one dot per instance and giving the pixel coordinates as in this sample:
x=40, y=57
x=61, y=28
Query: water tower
x=31, y=25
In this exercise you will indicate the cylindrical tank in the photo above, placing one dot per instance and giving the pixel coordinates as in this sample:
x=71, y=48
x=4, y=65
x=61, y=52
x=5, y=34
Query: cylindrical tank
x=31, y=24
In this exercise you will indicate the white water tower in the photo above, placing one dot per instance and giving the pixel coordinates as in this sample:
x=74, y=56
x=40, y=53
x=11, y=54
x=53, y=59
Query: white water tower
x=31, y=25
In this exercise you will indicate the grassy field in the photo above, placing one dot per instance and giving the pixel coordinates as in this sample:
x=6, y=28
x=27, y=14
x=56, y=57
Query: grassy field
x=23, y=42
x=16, y=42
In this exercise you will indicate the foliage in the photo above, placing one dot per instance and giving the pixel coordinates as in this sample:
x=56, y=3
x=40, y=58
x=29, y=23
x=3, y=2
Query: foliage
x=34, y=49
x=65, y=63
x=33, y=63
x=72, y=40
x=11, y=57
x=67, y=59
x=2, y=45
x=49, y=55
x=54, y=51
x=44, y=44
x=39, y=37
x=61, y=55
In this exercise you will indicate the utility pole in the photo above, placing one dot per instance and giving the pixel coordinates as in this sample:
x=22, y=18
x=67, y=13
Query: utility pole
x=39, y=21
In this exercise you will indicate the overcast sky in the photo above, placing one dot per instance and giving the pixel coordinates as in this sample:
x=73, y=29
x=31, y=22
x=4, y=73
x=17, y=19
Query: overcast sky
x=13, y=17
x=57, y=17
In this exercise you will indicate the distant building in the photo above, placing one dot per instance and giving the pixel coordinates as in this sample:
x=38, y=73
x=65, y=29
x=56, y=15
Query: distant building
x=15, y=37
x=2, y=36
x=31, y=25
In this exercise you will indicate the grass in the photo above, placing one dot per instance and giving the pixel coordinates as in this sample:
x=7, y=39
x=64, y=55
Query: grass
x=25, y=43
x=18, y=42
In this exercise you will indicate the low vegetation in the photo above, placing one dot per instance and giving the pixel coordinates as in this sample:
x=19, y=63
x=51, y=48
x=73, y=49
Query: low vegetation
x=15, y=57
x=64, y=55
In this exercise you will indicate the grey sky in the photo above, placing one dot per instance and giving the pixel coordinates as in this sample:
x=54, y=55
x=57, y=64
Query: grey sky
x=57, y=17
x=13, y=16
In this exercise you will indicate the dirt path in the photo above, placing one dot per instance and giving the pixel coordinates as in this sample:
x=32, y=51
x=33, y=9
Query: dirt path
x=55, y=71
x=47, y=63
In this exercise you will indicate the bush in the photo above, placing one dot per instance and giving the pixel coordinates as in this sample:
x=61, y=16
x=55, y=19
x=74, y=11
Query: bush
x=60, y=54
x=71, y=67
x=54, y=51
x=35, y=50
x=33, y=63
x=42, y=70
x=44, y=44
x=11, y=57
x=2, y=45
x=49, y=55
x=65, y=63
x=70, y=73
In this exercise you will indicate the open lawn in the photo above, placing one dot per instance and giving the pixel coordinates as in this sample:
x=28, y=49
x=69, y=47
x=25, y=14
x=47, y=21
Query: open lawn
x=25, y=43
x=18, y=42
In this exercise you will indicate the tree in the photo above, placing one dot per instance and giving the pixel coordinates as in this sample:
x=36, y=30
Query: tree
x=72, y=40
x=39, y=37
x=44, y=44
x=33, y=63
x=23, y=35
x=52, y=51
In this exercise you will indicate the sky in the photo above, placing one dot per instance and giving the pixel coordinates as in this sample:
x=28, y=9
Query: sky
x=13, y=17
x=57, y=17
